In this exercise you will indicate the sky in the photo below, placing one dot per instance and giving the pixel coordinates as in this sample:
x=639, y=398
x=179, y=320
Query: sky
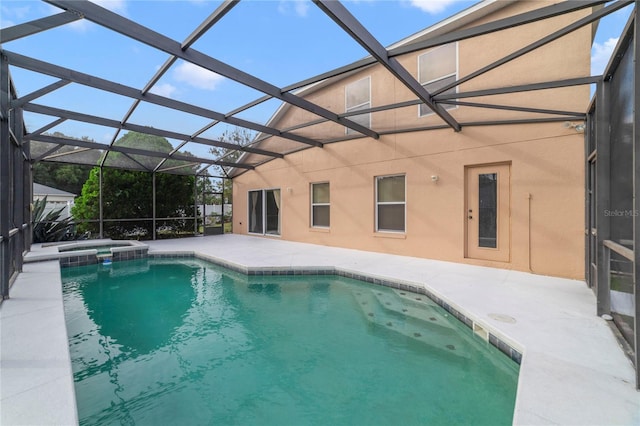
x=279, y=41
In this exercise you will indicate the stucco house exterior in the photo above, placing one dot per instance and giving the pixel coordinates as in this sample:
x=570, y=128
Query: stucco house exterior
x=508, y=193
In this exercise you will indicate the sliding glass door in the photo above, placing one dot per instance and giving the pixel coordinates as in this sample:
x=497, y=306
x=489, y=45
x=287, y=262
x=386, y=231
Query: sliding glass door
x=255, y=212
x=264, y=212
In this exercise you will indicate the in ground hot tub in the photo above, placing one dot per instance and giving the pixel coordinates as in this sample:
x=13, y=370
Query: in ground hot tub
x=100, y=251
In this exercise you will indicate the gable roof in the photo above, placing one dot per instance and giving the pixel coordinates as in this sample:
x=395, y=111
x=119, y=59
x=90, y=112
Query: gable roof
x=39, y=189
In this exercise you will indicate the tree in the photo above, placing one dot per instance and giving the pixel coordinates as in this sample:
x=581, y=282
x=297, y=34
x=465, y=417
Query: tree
x=67, y=177
x=64, y=176
x=128, y=194
x=238, y=136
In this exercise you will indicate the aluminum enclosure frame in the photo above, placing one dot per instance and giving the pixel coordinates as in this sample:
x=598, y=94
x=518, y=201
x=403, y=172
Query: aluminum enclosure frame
x=85, y=10
x=612, y=166
x=16, y=158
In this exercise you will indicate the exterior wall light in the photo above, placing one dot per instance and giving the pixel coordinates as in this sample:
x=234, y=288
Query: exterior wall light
x=578, y=126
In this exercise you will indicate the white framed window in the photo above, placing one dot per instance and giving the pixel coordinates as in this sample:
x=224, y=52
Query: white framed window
x=390, y=203
x=320, y=205
x=358, y=97
x=264, y=211
x=437, y=68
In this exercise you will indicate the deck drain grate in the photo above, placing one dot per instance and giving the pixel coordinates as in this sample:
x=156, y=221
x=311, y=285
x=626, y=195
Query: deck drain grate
x=503, y=318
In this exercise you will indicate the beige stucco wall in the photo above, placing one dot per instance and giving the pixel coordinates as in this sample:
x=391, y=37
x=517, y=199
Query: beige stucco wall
x=547, y=177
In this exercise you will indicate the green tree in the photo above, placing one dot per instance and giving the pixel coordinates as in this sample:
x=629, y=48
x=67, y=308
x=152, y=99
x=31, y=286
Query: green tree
x=238, y=136
x=128, y=194
x=61, y=175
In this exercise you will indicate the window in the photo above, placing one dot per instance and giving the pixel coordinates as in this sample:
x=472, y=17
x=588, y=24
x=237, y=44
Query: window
x=358, y=97
x=320, y=205
x=390, y=203
x=436, y=69
x=264, y=212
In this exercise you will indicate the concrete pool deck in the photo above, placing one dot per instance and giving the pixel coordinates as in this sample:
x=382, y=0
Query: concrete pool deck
x=573, y=370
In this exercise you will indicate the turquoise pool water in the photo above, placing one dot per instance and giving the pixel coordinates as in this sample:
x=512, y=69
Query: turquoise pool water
x=184, y=342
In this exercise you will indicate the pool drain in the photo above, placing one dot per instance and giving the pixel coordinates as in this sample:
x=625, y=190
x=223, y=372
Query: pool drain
x=503, y=318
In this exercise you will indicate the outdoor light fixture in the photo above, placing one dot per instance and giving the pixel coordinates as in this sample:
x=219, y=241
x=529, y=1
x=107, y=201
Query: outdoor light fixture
x=435, y=178
x=578, y=126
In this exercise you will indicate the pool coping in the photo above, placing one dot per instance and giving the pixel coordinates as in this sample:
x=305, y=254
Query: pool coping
x=555, y=386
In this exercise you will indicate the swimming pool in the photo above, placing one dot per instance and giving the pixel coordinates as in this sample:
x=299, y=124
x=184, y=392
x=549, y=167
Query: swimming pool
x=187, y=342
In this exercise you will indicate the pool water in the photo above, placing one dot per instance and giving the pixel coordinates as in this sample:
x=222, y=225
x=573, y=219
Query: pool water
x=185, y=342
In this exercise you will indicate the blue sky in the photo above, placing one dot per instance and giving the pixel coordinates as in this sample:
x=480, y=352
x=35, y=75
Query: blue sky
x=279, y=41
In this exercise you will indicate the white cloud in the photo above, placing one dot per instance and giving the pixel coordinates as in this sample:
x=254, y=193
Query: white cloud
x=6, y=24
x=297, y=7
x=431, y=6
x=118, y=6
x=106, y=138
x=164, y=89
x=82, y=25
x=20, y=13
x=600, y=54
x=16, y=12
x=196, y=76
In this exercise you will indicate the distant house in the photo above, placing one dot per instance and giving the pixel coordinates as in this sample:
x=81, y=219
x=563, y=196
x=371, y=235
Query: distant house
x=56, y=198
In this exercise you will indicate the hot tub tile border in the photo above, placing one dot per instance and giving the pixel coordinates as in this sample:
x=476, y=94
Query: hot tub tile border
x=89, y=255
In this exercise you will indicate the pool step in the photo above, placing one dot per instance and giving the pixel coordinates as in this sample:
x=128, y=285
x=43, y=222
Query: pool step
x=416, y=306
x=436, y=331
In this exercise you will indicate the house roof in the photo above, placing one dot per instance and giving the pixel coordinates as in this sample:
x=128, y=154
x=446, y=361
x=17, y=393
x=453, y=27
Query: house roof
x=457, y=21
x=39, y=189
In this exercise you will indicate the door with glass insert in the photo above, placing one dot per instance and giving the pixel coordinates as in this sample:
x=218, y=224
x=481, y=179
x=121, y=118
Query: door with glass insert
x=487, y=212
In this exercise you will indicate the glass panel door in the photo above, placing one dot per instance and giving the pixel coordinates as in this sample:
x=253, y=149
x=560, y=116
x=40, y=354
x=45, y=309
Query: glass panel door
x=264, y=212
x=255, y=212
x=592, y=272
x=272, y=210
x=487, y=212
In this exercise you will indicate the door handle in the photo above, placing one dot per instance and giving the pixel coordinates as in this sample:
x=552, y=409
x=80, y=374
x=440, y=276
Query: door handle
x=470, y=217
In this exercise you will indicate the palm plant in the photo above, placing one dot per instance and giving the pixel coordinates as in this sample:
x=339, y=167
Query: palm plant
x=49, y=227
